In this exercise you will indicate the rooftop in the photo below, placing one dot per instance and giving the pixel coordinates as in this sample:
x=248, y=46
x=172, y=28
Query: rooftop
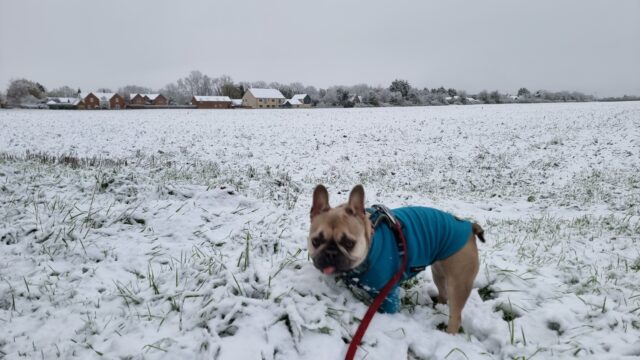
x=212, y=98
x=266, y=93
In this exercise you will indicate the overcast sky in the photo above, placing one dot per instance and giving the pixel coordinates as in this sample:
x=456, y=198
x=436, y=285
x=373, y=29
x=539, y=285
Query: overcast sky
x=586, y=45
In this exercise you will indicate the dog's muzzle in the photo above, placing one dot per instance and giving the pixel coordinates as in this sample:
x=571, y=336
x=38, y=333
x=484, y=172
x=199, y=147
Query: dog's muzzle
x=331, y=260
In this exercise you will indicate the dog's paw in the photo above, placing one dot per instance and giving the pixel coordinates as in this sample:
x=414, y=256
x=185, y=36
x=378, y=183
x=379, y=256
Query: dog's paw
x=443, y=327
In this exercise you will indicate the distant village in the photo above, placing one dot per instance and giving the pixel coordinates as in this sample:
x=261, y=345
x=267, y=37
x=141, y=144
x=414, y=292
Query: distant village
x=254, y=98
x=198, y=91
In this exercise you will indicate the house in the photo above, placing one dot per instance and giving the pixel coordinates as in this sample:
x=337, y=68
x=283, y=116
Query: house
x=453, y=99
x=65, y=103
x=356, y=99
x=292, y=103
x=304, y=99
x=262, y=98
x=100, y=100
x=211, y=102
x=148, y=99
x=471, y=100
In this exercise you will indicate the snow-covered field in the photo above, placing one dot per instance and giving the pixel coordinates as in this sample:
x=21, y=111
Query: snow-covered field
x=182, y=234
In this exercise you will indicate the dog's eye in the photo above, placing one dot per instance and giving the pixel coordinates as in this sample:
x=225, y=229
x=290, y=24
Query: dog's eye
x=317, y=241
x=348, y=244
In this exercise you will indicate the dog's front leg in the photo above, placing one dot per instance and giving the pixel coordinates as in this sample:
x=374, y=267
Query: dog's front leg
x=439, y=277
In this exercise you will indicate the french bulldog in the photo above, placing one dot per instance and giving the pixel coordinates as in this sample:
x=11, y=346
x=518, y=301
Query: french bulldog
x=343, y=242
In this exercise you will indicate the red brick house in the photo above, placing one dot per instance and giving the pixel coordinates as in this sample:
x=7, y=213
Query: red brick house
x=148, y=99
x=212, y=102
x=137, y=99
x=99, y=100
x=81, y=105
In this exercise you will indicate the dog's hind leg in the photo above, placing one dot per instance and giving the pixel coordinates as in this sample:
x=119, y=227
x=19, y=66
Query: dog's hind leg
x=460, y=270
x=441, y=282
x=458, y=295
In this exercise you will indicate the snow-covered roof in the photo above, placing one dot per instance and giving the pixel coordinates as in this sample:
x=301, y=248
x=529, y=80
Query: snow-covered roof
x=293, y=101
x=68, y=100
x=100, y=95
x=299, y=97
x=212, y=98
x=237, y=102
x=149, y=96
x=266, y=93
x=63, y=100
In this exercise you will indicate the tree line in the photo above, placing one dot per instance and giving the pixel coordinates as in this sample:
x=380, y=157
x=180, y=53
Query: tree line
x=398, y=93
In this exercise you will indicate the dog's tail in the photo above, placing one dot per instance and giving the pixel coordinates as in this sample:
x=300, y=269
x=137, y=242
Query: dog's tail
x=478, y=231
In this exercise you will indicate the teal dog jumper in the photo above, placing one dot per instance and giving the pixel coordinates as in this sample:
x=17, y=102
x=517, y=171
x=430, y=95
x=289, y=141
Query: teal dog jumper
x=431, y=235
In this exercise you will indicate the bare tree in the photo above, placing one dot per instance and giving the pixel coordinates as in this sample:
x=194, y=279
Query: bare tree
x=63, y=91
x=258, y=84
x=196, y=83
x=217, y=84
x=312, y=92
x=127, y=90
x=297, y=88
x=283, y=88
x=175, y=95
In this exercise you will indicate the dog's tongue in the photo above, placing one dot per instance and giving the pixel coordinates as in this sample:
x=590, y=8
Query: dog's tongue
x=329, y=270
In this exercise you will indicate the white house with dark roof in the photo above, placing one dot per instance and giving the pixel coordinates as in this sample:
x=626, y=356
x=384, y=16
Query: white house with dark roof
x=292, y=103
x=256, y=98
x=304, y=99
x=64, y=103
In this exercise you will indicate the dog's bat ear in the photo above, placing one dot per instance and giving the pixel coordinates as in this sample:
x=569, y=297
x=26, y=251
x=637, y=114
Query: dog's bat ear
x=356, y=200
x=320, y=201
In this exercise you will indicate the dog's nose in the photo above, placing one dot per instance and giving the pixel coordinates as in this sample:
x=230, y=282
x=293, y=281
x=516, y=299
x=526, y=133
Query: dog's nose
x=331, y=251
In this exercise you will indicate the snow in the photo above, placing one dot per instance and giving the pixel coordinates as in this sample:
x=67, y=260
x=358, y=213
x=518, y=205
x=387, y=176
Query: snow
x=293, y=101
x=181, y=234
x=102, y=96
x=63, y=100
x=266, y=93
x=299, y=97
x=151, y=97
x=213, y=98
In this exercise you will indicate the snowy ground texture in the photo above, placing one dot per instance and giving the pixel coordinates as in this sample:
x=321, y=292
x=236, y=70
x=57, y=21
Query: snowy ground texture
x=182, y=234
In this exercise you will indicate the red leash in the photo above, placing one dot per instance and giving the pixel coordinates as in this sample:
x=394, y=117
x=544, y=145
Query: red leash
x=375, y=305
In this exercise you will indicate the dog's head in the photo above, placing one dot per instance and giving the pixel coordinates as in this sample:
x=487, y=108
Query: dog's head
x=339, y=237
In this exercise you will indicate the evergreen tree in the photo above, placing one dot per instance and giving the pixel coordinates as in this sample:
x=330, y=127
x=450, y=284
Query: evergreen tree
x=401, y=86
x=524, y=92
